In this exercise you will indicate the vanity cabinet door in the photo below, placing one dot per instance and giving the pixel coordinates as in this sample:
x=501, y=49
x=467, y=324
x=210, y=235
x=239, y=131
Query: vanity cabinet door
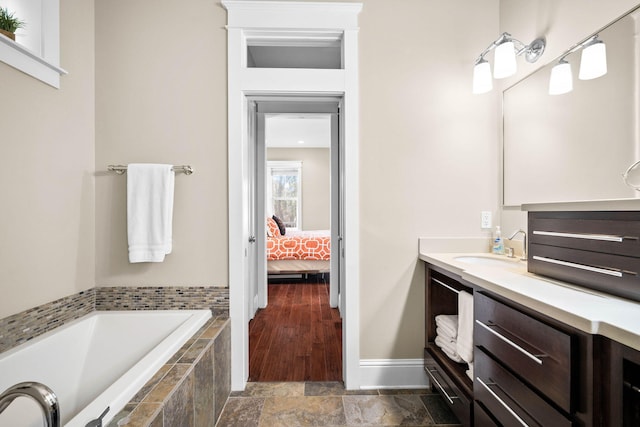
x=537, y=352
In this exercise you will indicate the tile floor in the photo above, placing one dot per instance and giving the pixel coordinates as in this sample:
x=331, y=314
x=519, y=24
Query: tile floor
x=328, y=404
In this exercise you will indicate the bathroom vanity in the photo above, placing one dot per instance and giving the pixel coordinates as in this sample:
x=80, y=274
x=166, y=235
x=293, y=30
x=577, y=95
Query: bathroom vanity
x=547, y=352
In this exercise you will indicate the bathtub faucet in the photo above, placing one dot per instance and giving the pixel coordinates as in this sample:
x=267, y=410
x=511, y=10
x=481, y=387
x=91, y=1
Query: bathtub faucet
x=38, y=392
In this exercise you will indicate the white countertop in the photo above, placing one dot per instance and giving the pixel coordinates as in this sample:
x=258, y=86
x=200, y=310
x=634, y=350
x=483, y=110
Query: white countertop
x=587, y=310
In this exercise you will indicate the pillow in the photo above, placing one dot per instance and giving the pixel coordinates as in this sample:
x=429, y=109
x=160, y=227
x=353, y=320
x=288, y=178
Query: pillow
x=272, y=228
x=281, y=226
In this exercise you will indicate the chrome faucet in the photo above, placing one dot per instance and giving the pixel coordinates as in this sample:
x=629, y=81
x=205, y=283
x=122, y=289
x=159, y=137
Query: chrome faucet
x=524, y=243
x=42, y=394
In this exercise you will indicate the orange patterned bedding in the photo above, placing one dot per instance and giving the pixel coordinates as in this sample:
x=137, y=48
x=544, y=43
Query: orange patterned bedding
x=313, y=245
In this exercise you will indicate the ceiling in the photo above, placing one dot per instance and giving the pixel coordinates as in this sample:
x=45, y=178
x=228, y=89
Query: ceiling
x=287, y=130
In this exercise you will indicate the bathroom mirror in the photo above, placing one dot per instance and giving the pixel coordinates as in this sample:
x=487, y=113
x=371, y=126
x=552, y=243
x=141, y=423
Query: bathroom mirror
x=575, y=146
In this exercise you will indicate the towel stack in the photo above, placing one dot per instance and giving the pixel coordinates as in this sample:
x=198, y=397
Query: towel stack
x=454, y=333
x=447, y=334
x=464, y=343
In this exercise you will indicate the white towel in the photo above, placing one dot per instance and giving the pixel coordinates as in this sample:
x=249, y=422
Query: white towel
x=469, y=371
x=448, y=323
x=448, y=347
x=464, y=340
x=444, y=333
x=149, y=211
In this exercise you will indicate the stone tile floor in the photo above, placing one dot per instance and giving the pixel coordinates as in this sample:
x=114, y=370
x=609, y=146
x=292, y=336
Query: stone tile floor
x=328, y=404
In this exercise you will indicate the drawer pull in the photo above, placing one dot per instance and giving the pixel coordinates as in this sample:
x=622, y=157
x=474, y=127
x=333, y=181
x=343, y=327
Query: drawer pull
x=446, y=286
x=609, y=272
x=449, y=398
x=502, y=402
x=600, y=237
x=535, y=358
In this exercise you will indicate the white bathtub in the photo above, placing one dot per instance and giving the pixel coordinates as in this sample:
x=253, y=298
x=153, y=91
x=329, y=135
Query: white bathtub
x=100, y=360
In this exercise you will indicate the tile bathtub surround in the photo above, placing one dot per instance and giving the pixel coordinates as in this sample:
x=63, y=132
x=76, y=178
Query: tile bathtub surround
x=329, y=404
x=24, y=326
x=191, y=388
x=164, y=298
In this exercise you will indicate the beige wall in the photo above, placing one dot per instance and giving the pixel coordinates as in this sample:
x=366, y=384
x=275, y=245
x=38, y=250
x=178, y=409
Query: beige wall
x=46, y=179
x=316, y=189
x=161, y=98
x=428, y=154
x=563, y=23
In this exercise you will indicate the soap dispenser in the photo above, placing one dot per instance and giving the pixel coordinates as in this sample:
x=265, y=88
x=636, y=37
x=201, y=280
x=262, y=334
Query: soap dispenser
x=498, y=245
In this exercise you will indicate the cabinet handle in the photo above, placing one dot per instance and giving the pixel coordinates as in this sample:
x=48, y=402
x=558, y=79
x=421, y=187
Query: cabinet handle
x=599, y=237
x=446, y=286
x=449, y=398
x=610, y=272
x=535, y=358
x=502, y=402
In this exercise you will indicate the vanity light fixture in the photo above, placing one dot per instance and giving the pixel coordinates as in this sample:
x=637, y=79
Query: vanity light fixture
x=561, y=80
x=506, y=49
x=593, y=64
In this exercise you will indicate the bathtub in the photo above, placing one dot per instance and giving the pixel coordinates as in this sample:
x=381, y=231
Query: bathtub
x=99, y=360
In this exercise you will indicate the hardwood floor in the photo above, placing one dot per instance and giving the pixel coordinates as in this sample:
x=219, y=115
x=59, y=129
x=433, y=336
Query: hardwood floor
x=298, y=337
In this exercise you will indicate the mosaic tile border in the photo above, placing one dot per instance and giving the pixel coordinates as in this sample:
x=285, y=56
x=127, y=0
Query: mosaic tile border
x=164, y=298
x=22, y=327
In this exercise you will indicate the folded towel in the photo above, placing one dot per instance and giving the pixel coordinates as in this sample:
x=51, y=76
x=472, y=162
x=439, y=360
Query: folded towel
x=469, y=371
x=464, y=340
x=448, y=323
x=449, y=348
x=149, y=211
x=444, y=333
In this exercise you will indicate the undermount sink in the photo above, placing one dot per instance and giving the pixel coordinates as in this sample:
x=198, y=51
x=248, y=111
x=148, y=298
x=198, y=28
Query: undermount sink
x=490, y=261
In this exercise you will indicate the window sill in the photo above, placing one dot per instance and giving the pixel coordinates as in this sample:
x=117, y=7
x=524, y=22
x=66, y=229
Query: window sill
x=23, y=59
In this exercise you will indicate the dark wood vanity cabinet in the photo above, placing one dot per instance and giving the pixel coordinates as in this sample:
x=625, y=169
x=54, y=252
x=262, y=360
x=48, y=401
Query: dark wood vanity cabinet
x=529, y=369
x=446, y=376
x=598, y=250
x=621, y=384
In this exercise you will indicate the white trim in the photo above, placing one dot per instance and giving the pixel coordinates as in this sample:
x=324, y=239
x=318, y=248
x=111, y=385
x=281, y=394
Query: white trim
x=392, y=373
x=311, y=19
x=43, y=67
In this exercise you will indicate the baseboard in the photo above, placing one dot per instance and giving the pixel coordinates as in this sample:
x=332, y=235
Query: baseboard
x=392, y=373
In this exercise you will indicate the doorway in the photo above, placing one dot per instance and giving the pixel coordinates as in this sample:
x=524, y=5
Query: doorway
x=296, y=328
x=290, y=23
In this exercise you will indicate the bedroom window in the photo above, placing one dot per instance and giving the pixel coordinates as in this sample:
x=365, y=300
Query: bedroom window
x=284, y=192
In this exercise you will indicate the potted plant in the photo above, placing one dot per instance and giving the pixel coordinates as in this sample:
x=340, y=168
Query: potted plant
x=9, y=23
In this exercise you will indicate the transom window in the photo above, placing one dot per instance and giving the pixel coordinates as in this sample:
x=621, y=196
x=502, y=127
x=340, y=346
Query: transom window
x=284, y=190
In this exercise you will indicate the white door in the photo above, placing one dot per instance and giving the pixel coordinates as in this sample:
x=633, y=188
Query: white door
x=252, y=251
x=337, y=252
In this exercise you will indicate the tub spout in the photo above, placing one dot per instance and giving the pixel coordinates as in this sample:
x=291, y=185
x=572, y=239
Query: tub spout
x=41, y=394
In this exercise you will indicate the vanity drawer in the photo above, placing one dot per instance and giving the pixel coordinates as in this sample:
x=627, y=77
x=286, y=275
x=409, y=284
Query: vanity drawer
x=613, y=274
x=538, y=353
x=505, y=396
x=481, y=418
x=617, y=233
x=453, y=396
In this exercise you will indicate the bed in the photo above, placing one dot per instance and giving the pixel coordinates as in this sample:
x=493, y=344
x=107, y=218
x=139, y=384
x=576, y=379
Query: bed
x=297, y=252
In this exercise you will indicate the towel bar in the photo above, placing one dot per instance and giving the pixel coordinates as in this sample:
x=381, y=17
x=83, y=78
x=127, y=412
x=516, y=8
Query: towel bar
x=121, y=169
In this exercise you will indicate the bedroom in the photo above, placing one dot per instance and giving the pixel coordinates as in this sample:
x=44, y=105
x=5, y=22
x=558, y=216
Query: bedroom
x=297, y=189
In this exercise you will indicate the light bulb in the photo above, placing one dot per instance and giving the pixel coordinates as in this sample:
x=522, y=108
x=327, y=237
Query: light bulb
x=593, y=62
x=561, y=80
x=482, y=81
x=504, y=64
